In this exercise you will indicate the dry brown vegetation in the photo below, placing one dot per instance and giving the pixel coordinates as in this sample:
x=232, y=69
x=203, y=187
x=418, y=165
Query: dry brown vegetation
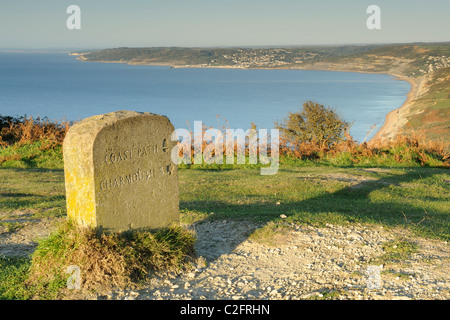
x=412, y=143
x=25, y=130
x=406, y=148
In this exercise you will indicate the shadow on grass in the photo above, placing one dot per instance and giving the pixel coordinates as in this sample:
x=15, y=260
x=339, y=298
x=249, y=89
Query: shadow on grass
x=349, y=204
x=17, y=250
x=22, y=188
x=31, y=201
x=18, y=194
x=28, y=170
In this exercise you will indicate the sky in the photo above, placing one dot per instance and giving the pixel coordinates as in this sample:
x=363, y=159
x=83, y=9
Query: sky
x=32, y=24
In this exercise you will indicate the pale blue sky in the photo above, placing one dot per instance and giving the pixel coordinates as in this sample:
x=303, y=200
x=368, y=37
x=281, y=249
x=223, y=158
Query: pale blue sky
x=32, y=24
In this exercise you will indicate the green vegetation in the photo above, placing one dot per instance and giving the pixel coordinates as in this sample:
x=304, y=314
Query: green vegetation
x=315, y=124
x=31, y=155
x=320, y=195
x=272, y=234
x=13, y=274
x=31, y=143
x=399, y=275
x=124, y=258
x=431, y=111
x=311, y=194
x=380, y=58
x=29, y=194
x=327, y=295
x=397, y=251
x=108, y=261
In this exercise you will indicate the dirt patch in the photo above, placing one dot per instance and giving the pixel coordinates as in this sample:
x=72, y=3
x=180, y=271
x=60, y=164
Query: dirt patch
x=349, y=178
x=352, y=180
x=433, y=116
x=328, y=262
x=19, y=233
x=314, y=263
x=377, y=170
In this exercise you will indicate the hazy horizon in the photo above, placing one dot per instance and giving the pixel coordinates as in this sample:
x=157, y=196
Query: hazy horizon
x=41, y=25
x=64, y=50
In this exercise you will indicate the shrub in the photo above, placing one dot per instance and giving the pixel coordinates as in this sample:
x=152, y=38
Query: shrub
x=315, y=125
x=23, y=130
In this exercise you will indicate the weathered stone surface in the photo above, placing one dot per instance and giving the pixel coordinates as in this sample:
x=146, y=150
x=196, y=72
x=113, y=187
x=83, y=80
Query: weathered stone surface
x=119, y=174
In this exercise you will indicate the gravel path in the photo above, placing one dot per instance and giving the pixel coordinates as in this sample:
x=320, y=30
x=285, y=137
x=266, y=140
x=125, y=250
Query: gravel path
x=21, y=241
x=313, y=263
x=316, y=263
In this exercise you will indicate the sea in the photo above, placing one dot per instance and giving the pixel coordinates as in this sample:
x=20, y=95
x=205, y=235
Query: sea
x=59, y=87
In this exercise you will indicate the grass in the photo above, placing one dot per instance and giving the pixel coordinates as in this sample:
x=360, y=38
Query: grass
x=31, y=143
x=327, y=295
x=432, y=109
x=399, y=275
x=31, y=155
x=272, y=234
x=397, y=251
x=13, y=273
x=104, y=262
x=115, y=259
x=11, y=226
x=320, y=195
x=31, y=193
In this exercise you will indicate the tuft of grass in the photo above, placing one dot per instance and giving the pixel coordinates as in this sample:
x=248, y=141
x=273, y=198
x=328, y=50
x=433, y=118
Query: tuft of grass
x=273, y=234
x=397, y=251
x=107, y=261
x=328, y=295
x=167, y=249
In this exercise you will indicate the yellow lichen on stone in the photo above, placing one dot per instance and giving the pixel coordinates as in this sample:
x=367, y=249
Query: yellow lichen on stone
x=80, y=193
x=119, y=173
x=81, y=211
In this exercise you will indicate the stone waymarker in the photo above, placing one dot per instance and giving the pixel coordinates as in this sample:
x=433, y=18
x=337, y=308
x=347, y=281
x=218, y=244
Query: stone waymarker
x=119, y=174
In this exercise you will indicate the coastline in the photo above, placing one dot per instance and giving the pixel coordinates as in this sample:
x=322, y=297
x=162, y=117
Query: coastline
x=394, y=120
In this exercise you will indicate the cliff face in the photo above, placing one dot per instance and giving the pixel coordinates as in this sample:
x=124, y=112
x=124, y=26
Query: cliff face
x=426, y=110
x=429, y=111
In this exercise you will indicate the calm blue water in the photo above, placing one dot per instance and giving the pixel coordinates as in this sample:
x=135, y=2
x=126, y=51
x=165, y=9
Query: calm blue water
x=60, y=87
